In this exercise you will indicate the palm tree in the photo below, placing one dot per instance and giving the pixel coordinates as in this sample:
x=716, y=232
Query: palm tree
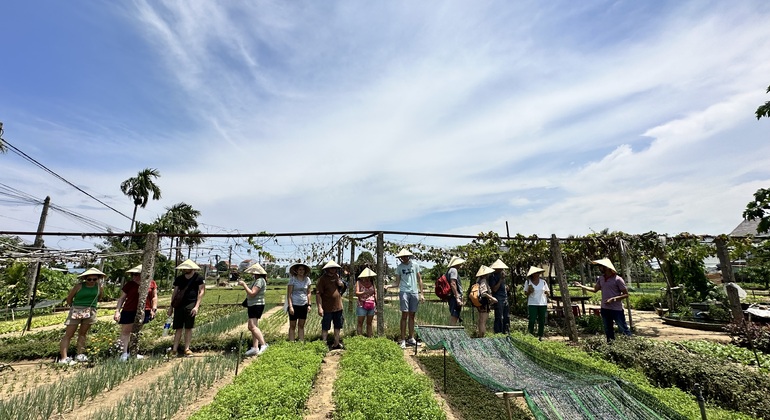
x=178, y=219
x=192, y=241
x=139, y=188
x=3, y=149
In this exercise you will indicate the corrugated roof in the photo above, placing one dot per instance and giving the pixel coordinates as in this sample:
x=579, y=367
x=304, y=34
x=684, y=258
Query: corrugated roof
x=748, y=227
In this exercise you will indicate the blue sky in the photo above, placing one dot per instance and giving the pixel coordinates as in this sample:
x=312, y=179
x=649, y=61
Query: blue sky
x=558, y=117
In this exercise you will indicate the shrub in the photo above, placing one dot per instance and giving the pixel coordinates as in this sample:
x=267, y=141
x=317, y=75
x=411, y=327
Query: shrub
x=728, y=385
x=644, y=301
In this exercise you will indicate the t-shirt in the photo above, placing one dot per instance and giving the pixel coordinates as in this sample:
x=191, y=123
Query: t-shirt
x=131, y=289
x=326, y=287
x=611, y=287
x=191, y=295
x=407, y=274
x=86, y=296
x=495, y=278
x=538, y=297
x=370, y=292
x=453, y=275
x=259, y=299
x=299, y=291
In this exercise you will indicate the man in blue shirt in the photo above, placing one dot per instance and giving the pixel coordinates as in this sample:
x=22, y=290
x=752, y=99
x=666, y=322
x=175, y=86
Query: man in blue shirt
x=497, y=284
x=409, y=294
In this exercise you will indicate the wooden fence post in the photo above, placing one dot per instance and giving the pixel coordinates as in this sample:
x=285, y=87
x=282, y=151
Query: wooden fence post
x=148, y=269
x=558, y=261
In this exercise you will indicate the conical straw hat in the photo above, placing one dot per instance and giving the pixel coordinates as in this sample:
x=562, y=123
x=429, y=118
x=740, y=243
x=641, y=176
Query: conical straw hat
x=404, y=253
x=533, y=270
x=367, y=273
x=484, y=270
x=137, y=269
x=498, y=265
x=606, y=263
x=455, y=261
x=331, y=264
x=255, y=269
x=92, y=272
x=188, y=265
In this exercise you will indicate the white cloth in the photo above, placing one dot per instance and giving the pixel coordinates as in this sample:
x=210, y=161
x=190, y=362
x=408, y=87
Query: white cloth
x=538, y=297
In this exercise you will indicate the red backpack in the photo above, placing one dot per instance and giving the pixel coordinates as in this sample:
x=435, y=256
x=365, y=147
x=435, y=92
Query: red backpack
x=443, y=289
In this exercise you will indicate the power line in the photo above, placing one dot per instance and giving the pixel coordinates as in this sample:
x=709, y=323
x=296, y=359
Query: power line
x=43, y=167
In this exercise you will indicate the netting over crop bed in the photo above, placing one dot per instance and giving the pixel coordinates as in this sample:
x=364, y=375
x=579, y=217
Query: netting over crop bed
x=554, y=388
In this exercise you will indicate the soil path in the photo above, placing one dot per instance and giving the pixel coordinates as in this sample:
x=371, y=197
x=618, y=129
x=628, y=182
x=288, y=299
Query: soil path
x=437, y=393
x=648, y=324
x=319, y=403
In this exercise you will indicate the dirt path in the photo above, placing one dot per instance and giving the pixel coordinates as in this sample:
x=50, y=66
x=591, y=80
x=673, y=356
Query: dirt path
x=648, y=324
x=319, y=403
x=437, y=393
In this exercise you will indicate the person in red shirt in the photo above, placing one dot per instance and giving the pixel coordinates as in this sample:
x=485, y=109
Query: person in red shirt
x=128, y=302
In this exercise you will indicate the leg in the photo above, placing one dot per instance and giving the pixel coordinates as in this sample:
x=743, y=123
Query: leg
x=498, y=325
x=69, y=332
x=369, y=319
x=256, y=333
x=404, y=316
x=292, y=326
x=125, y=336
x=336, y=337
x=411, y=324
x=482, y=327
x=187, y=338
x=532, y=316
x=620, y=320
x=454, y=312
x=360, y=325
x=506, y=318
x=609, y=329
x=541, y=310
x=177, y=337
x=82, y=333
x=301, y=329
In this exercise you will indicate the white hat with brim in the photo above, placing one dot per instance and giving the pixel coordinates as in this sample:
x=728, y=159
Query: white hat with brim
x=331, y=264
x=605, y=262
x=534, y=270
x=137, y=270
x=367, y=273
x=404, y=253
x=92, y=272
x=295, y=266
x=484, y=270
x=499, y=265
x=255, y=269
x=455, y=261
x=188, y=265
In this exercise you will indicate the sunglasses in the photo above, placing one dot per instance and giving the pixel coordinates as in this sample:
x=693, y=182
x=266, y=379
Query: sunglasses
x=92, y=279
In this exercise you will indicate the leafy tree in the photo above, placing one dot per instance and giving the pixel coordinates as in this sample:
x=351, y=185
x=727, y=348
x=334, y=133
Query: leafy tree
x=139, y=189
x=764, y=110
x=759, y=209
x=3, y=149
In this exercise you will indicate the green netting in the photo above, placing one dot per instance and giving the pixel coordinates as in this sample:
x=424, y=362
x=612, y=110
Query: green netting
x=554, y=388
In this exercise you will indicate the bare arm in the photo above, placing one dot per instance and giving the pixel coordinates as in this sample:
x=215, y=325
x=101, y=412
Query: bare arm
x=72, y=293
x=119, y=306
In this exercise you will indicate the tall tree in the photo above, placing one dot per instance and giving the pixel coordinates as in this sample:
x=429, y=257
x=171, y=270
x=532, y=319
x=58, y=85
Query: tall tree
x=178, y=219
x=760, y=207
x=139, y=189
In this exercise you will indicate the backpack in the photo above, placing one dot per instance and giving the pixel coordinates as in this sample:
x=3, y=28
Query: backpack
x=473, y=296
x=443, y=289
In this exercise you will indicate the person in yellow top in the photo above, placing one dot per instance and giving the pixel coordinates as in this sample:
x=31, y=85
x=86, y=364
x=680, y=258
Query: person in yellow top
x=82, y=298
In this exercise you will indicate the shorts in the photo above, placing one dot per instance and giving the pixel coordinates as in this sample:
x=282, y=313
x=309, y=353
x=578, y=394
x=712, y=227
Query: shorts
x=255, y=311
x=484, y=305
x=90, y=320
x=409, y=301
x=183, y=318
x=332, y=317
x=127, y=317
x=363, y=312
x=300, y=312
x=454, y=307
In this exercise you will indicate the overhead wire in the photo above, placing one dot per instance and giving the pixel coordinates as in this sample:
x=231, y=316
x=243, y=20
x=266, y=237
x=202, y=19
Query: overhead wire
x=46, y=169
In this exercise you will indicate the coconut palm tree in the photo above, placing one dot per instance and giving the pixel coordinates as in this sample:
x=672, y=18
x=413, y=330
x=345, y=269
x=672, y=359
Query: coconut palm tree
x=178, y=219
x=139, y=188
x=192, y=241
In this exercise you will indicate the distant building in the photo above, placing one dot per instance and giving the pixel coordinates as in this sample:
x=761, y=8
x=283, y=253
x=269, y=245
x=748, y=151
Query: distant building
x=748, y=227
